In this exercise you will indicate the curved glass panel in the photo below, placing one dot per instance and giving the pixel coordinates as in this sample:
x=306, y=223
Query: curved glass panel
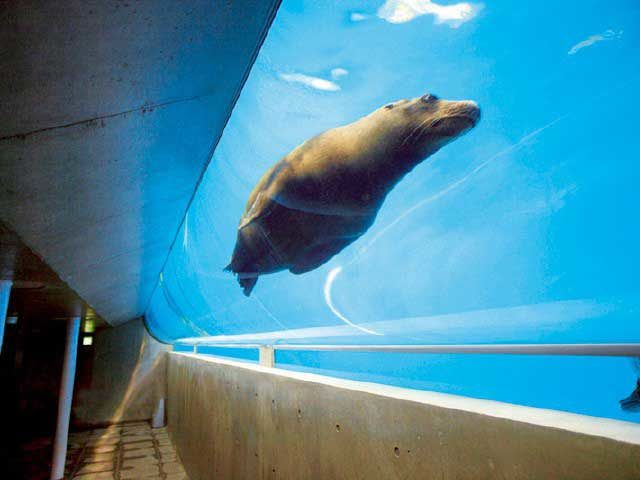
x=522, y=230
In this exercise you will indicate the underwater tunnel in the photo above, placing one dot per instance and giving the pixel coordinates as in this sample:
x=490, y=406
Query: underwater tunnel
x=381, y=239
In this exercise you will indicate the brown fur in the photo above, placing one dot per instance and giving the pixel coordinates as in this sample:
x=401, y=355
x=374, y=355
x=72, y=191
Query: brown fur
x=326, y=193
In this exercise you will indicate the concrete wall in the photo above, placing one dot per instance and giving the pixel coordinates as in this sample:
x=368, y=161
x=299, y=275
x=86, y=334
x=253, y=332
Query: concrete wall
x=235, y=421
x=124, y=379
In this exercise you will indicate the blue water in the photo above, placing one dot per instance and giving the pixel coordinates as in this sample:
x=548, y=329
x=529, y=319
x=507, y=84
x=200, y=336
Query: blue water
x=524, y=230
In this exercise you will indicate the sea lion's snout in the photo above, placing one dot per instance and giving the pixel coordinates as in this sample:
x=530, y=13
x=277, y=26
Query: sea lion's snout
x=465, y=110
x=471, y=110
x=457, y=117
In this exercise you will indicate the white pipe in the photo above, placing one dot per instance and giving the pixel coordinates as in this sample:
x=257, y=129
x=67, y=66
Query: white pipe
x=583, y=349
x=64, y=399
x=5, y=291
x=590, y=349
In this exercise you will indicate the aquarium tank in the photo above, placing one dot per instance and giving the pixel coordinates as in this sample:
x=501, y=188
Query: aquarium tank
x=476, y=184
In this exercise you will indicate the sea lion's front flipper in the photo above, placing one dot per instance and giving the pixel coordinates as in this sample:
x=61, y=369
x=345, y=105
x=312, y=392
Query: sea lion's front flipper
x=253, y=255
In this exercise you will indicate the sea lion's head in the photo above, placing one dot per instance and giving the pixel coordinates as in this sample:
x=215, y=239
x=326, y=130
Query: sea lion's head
x=419, y=127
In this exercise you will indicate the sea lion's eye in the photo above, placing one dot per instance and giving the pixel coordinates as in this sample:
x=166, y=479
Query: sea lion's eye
x=389, y=106
x=429, y=98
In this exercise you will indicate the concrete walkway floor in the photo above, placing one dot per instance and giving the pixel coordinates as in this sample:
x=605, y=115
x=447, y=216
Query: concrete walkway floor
x=124, y=451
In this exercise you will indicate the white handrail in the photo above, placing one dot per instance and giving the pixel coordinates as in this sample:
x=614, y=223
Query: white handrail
x=574, y=349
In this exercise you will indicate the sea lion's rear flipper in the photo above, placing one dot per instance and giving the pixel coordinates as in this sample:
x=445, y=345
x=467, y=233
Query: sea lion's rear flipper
x=247, y=284
x=253, y=255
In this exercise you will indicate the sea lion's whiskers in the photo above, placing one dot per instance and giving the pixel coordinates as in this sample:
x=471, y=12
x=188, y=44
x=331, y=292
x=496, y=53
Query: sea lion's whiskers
x=423, y=130
x=408, y=137
x=410, y=134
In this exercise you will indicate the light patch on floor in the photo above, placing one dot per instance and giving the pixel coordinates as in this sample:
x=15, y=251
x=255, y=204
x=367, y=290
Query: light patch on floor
x=124, y=451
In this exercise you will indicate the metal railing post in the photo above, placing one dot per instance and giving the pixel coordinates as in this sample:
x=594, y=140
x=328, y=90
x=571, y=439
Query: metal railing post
x=267, y=356
x=64, y=399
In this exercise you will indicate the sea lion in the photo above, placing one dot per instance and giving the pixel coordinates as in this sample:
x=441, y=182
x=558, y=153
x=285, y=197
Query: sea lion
x=327, y=192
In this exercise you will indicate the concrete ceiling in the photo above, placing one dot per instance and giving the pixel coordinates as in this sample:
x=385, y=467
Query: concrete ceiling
x=37, y=291
x=109, y=113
